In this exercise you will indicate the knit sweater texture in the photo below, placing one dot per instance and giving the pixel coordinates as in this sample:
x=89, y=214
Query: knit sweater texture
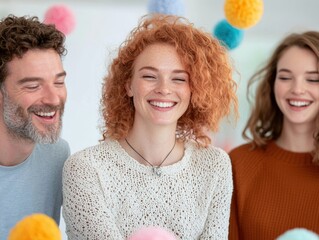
x=109, y=195
x=274, y=190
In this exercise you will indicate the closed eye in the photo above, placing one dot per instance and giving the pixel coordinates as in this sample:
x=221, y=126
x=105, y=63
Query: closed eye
x=148, y=77
x=32, y=87
x=313, y=80
x=284, y=78
x=179, y=79
x=60, y=84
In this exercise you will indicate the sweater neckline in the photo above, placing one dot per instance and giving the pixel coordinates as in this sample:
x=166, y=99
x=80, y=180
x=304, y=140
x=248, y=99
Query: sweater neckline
x=169, y=169
x=283, y=155
x=21, y=164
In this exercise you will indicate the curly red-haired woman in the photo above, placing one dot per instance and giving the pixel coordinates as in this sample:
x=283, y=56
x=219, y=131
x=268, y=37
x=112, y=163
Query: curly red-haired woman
x=168, y=87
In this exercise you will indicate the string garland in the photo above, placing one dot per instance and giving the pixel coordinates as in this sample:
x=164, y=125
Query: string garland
x=239, y=16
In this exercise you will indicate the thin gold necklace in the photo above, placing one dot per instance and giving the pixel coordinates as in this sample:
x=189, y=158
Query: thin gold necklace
x=156, y=169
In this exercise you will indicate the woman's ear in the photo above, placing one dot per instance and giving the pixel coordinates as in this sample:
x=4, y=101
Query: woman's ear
x=128, y=88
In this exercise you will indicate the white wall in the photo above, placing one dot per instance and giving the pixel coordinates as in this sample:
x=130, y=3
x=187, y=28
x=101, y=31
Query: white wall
x=103, y=25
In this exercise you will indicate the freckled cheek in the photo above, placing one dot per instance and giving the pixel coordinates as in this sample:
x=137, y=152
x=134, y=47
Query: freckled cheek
x=189, y=97
x=186, y=93
x=144, y=90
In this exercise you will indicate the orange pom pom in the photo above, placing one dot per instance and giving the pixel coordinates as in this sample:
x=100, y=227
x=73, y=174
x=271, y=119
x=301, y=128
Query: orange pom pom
x=36, y=226
x=243, y=14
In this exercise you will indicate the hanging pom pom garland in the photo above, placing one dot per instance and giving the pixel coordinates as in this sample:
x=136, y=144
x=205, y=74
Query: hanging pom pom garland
x=172, y=7
x=62, y=17
x=229, y=36
x=240, y=15
x=243, y=14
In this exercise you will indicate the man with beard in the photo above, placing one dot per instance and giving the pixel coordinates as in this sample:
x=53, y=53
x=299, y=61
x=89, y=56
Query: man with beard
x=32, y=97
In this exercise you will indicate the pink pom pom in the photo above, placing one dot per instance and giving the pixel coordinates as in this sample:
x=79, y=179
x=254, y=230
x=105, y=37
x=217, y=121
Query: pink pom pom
x=62, y=17
x=152, y=233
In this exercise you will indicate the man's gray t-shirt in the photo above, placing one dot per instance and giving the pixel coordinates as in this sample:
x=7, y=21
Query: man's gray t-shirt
x=33, y=186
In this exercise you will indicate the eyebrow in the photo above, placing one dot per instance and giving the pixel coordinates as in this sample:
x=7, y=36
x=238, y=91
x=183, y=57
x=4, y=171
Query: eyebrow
x=35, y=79
x=313, y=72
x=287, y=70
x=284, y=70
x=155, y=69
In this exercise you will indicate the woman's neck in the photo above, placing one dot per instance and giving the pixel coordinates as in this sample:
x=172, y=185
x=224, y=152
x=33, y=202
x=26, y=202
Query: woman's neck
x=153, y=145
x=296, y=138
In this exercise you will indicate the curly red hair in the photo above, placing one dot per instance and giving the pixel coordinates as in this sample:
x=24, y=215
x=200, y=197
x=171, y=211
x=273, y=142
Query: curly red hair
x=209, y=67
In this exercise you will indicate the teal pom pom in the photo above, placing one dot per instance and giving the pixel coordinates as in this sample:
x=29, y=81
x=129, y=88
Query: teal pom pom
x=298, y=234
x=229, y=36
x=171, y=7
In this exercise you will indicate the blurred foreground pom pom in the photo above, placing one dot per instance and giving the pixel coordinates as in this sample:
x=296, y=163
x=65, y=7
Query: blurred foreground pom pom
x=171, y=7
x=152, y=233
x=229, y=36
x=62, y=17
x=298, y=234
x=243, y=13
x=35, y=227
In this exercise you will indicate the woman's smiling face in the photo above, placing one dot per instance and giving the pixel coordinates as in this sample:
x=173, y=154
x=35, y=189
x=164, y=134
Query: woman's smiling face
x=159, y=85
x=297, y=86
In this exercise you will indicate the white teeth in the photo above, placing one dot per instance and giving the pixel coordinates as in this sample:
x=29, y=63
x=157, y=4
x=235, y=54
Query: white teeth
x=162, y=104
x=299, y=103
x=46, y=114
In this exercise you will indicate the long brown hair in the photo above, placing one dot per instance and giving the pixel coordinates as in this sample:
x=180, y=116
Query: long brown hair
x=266, y=120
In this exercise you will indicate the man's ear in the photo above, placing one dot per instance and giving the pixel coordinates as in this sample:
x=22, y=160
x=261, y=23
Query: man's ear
x=128, y=88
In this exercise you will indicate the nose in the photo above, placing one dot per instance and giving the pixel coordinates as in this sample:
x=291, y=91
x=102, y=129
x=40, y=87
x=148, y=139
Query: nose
x=298, y=87
x=163, y=86
x=52, y=95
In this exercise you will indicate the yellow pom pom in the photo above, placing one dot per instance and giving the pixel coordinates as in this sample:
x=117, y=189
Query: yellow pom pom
x=243, y=14
x=36, y=226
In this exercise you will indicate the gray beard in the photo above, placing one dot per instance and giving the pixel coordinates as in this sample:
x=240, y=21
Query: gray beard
x=20, y=125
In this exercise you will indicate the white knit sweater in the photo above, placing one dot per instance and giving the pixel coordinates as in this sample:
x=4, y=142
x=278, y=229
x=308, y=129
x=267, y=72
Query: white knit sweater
x=108, y=195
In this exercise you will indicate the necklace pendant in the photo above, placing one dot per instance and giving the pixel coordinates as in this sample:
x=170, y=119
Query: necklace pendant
x=157, y=171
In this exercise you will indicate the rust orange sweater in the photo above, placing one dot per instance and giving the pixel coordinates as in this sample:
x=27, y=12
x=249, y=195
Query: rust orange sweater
x=274, y=190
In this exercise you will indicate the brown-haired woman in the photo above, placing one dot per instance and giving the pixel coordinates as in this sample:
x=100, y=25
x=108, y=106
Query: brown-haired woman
x=276, y=176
